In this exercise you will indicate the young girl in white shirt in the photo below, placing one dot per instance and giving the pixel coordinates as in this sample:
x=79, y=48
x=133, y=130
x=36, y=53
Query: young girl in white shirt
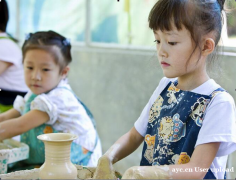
x=50, y=106
x=188, y=125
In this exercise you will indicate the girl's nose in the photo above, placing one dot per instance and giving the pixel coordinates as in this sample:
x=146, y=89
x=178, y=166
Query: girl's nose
x=162, y=51
x=36, y=75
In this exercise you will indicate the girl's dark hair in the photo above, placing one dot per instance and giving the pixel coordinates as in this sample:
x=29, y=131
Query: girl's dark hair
x=52, y=42
x=4, y=15
x=199, y=17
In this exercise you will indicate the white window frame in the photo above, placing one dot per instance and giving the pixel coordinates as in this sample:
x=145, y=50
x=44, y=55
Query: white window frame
x=89, y=45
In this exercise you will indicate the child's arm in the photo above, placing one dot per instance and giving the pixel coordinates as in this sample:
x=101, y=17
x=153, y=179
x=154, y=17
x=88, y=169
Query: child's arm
x=10, y=114
x=200, y=161
x=22, y=124
x=3, y=66
x=124, y=146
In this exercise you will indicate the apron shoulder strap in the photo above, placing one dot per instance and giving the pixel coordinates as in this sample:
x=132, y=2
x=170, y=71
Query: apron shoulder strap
x=7, y=38
x=216, y=92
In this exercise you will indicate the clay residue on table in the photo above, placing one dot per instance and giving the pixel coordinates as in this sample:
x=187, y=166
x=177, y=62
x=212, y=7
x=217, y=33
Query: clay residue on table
x=88, y=173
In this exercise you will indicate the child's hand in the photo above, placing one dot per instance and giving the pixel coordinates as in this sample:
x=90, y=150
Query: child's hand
x=147, y=172
x=104, y=169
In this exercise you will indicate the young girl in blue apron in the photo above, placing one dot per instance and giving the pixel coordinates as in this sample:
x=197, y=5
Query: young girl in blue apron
x=188, y=125
x=50, y=106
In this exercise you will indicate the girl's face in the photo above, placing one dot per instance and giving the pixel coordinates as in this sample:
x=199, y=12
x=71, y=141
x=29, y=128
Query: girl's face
x=176, y=53
x=42, y=74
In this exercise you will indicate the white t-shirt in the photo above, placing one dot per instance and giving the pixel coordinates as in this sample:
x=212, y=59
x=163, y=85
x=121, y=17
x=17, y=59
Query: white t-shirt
x=219, y=124
x=66, y=115
x=13, y=78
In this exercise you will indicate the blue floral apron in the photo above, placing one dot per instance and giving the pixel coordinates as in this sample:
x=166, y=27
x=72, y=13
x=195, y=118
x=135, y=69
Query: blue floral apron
x=36, y=146
x=175, y=120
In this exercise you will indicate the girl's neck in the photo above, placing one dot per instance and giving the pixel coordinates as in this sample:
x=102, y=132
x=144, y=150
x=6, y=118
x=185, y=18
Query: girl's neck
x=190, y=82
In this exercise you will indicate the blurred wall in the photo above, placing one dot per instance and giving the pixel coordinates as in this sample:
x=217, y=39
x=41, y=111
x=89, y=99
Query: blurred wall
x=116, y=84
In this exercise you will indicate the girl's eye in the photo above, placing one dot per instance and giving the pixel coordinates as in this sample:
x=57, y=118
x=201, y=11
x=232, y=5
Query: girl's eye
x=30, y=68
x=46, y=69
x=172, y=43
x=157, y=41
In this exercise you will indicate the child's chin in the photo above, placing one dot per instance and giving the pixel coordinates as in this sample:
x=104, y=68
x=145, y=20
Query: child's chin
x=169, y=75
x=36, y=92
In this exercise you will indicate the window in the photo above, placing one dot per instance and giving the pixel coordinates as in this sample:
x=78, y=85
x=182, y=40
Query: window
x=231, y=24
x=63, y=16
x=11, y=26
x=124, y=22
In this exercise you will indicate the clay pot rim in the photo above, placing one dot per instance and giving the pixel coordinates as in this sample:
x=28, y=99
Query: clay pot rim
x=55, y=137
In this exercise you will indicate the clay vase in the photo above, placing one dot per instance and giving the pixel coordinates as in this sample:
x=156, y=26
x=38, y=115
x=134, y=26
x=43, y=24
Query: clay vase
x=57, y=163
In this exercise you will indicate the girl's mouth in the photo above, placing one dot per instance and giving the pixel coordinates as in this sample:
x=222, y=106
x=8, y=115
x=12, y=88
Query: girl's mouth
x=35, y=85
x=164, y=64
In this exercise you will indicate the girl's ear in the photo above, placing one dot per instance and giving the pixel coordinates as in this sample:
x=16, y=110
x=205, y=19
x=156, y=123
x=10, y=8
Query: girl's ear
x=208, y=46
x=65, y=71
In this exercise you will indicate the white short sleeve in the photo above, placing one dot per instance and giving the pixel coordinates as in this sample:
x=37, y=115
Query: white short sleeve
x=13, y=77
x=7, y=47
x=45, y=103
x=141, y=124
x=219, y=124
x=19, y=104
